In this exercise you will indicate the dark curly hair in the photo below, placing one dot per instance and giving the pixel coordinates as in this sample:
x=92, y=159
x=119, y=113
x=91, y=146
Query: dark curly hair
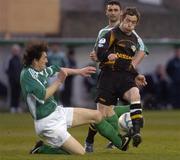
x=132, y=11
x=34, y=50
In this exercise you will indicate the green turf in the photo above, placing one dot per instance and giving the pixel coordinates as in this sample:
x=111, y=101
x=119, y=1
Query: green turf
x=161, y=140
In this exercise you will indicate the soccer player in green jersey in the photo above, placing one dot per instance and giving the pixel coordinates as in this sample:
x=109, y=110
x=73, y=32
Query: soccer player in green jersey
x=50, y=120
x=113, y=12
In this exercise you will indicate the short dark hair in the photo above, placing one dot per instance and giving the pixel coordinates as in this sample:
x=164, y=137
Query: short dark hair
x=33, y=51
x=113, y=2
x=132, y=11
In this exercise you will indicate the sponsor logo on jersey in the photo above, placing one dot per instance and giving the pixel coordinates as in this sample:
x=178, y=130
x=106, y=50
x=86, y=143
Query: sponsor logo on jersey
x=101, y=43
x=133, y=47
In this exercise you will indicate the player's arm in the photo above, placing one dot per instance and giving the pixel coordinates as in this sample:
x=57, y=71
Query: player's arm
x=93, y=54
x=140, y=80
x=52, y=70
x=141, y=53
x=36, y=88
x=56, y=84
x=102, y=32
x=103, y=46
x=64, y=72
x=86, y=71
x=138, y=58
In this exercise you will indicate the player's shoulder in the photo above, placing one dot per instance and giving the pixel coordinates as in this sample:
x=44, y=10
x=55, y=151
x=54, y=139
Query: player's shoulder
x=135, y=33
x=25, y=71
x=104, y=30
x=115, y=29
x=107, y=28
x=29, y=73
x=134, y=36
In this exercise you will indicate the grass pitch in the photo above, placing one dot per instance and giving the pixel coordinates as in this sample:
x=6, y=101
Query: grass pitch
x=161, y=139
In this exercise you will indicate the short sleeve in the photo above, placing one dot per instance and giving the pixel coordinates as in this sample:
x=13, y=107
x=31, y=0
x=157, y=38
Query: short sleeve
x=142, y=46
x=52, y=70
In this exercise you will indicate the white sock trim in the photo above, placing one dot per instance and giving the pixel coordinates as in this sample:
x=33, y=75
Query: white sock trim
x=134, y=110
x=136, y=102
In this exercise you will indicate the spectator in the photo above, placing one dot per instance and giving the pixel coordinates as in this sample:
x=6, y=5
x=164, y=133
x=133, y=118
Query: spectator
x=13, y=73
x=3, y=90
x=67, y=91
x=173, y=71
x=156, y=93
x=90, y=82
x=56, y=57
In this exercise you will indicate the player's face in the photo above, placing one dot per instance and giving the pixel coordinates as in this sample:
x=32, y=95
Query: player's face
x=129, y=23
x=41, y=63
x=113, y=12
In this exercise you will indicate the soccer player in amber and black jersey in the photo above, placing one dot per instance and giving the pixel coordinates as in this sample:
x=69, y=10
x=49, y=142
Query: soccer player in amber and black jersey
x=115, y=52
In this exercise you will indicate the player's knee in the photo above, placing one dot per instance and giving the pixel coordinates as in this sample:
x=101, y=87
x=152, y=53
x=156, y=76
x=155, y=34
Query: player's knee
x=97, y=116
x=133, y=94
x=81, y=152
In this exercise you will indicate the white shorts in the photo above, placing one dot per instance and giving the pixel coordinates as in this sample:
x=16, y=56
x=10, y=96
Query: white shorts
x=53, y=129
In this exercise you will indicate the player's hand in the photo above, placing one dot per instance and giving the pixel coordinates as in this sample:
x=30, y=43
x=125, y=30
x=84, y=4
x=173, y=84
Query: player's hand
x=140, y=80
x=112, y=57
x=93, y=56
x=62, y=75
x=87, y=71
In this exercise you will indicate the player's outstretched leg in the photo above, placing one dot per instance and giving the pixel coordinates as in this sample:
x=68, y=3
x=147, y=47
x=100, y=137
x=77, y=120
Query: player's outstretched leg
x=106, y=130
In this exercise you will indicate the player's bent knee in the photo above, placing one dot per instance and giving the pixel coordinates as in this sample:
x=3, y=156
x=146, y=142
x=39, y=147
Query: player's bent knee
x=82, y=152
x=98, y=116
x=72, y=146
x=79, y=152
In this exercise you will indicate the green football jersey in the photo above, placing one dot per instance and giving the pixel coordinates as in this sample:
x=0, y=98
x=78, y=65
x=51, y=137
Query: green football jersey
x=106, y=29
x=34, y=84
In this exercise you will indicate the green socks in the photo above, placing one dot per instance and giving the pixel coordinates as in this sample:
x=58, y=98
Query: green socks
x=119, y=110
x=113, y=120
x=107, y=131
x=45, y=149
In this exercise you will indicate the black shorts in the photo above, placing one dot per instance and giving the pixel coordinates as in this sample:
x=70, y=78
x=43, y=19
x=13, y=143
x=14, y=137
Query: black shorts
x=112, y=85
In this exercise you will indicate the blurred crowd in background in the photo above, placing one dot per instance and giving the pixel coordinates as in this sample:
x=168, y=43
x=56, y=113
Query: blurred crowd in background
x=162, y=91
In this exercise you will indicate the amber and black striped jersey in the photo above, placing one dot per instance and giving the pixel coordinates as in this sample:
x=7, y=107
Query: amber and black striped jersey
x=116, y=41
x=106, y=29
